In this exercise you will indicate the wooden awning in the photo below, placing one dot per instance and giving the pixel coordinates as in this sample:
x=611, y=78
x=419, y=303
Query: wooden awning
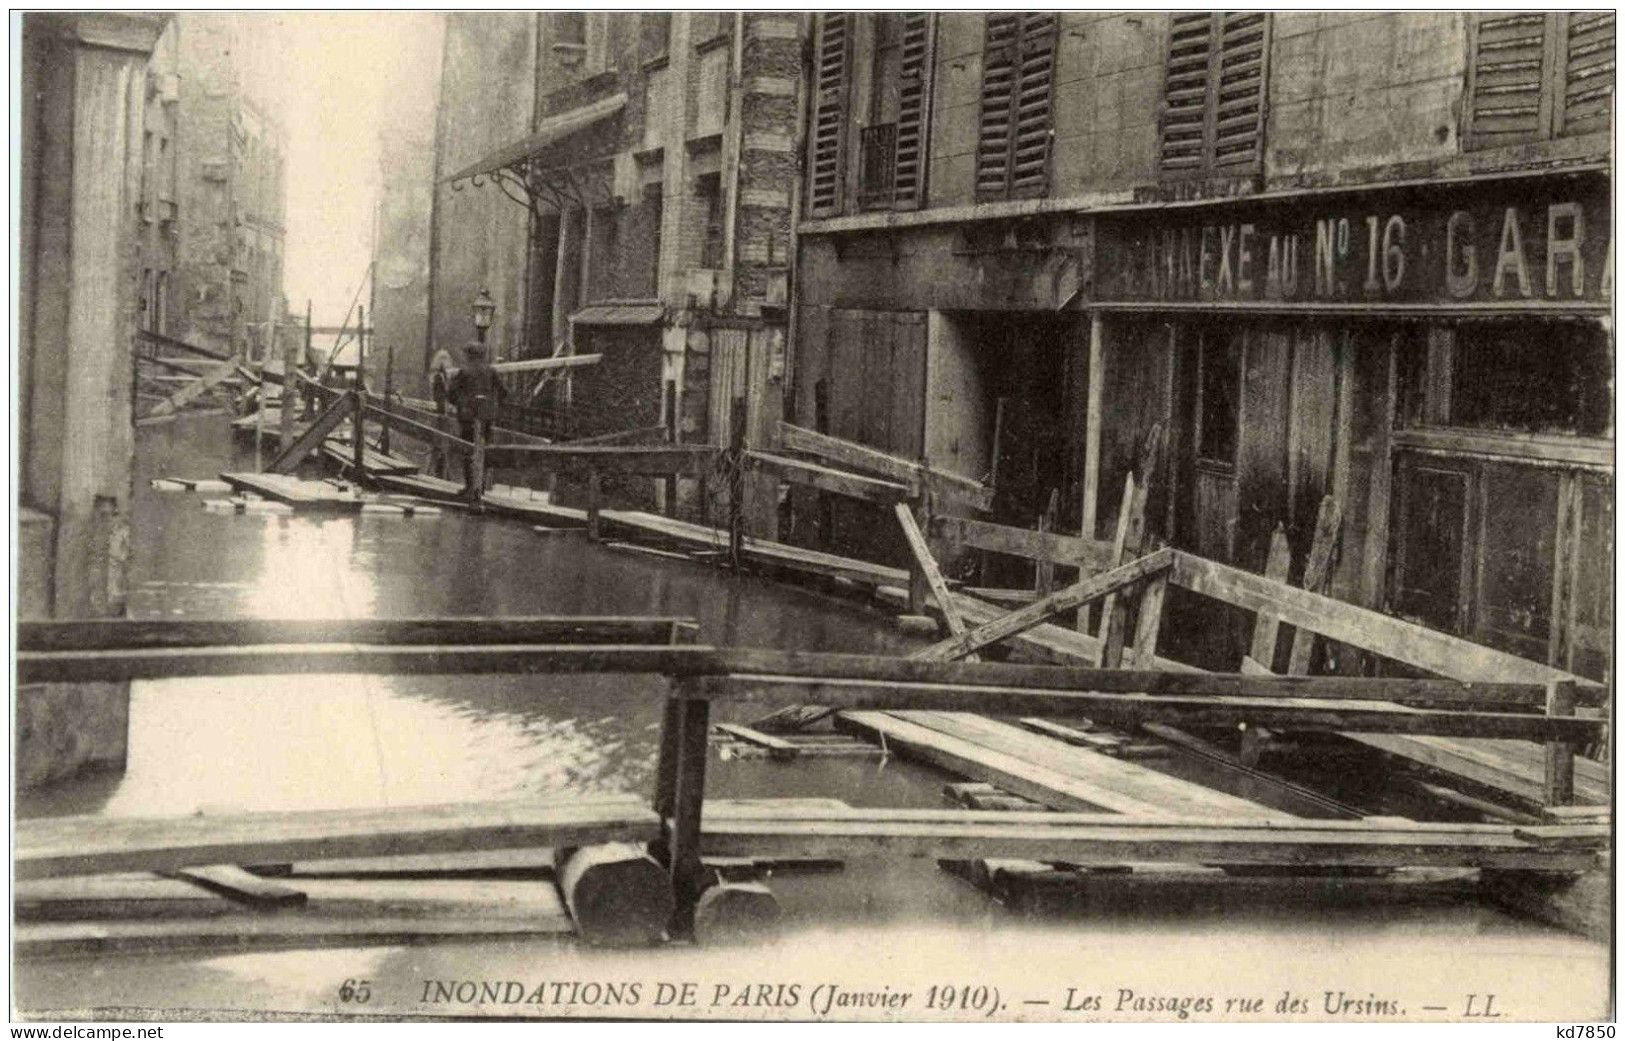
x=620, y=312
x=522, y=152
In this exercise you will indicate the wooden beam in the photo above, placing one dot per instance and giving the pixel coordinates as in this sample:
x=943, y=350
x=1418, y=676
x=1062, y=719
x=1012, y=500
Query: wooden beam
x=1044, y=571
x=213, y=377
x=635, y=435
x=1317, y=572
x=575, y=460
x=1559, y=755
x=1075, y=595
x=134, y=634
x=1067, y=550
x=1363, y=628
x=55, y=846
x=160, y=340
x=683, y=828
x=950, y=486
x=234, y=883
x=928, y=568
x=421, y=431
x=1113, y=841
x=1266, y=624
x=825, y=479
x=313, y=436
x=569, y=361
x=1092, y=423
x=1134, y=708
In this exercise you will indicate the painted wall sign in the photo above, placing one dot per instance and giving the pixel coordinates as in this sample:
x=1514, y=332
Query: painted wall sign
x=1477, y=245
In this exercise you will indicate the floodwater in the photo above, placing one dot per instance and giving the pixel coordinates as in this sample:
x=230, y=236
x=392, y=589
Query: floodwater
x=286, y=742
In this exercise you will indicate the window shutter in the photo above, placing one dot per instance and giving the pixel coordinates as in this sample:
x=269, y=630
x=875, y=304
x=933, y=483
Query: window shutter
x=1034, y=106
x=1586, y=84
x=913, y=110
x=1213, y=94
x=1505, y=80
x=1018, y=78
x=1238, y=119
x=827, y=145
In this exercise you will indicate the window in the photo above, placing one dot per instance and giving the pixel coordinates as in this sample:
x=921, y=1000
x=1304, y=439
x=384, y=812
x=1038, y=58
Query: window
x=1213, y=94
x=892, y=148
x=1490, y=376
x=1535, y=76
x=710, y=188
x=826, y=143
x=1017, y=117
x=655, y=39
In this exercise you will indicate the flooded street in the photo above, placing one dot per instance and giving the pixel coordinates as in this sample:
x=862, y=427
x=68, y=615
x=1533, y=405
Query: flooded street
x=291, y=742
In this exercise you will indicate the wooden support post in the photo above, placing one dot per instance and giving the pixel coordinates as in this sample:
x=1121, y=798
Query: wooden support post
x=925, y=564
x=1317, y=571
x=594, y=491
x=919, y=583
x=1092, y=422
x=1149, y=625
x=1260, y=660
x=358, y=410
x=309, y=398
x=688, y=800
x=1559, y=754
x=1119, y=552
x=290, y=383
x=1044, y=571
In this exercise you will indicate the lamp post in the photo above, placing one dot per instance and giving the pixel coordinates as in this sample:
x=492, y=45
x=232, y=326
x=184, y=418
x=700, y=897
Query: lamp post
x=485, y=309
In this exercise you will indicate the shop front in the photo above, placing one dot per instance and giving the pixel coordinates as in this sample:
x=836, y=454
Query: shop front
x=1438, y=358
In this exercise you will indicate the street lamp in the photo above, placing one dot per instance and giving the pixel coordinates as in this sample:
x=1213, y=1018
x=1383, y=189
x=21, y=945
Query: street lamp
x=484, y=310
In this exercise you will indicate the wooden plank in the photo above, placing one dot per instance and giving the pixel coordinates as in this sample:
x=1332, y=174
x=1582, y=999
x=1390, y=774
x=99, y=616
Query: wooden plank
x=57, y=846
x=633, y=436
x=129, y=896
x=1559, y=755
x=576, y=647
x=312, y=436
x=133, y=634
x=1317, y=572
x=928, y=568
x=1267, y=625
x=1068, y=550
x=1212, y=752
x=295, y=492
x=1578, y=813
x=234, y=883
x=682, y=830
x=1149, y=624
x=1075, y=595
x=1111, y=844
x=1361, y=627
x=574, y=460
x=1366, y=717
x=421, y=431
x=780, y=748
x=211, y=378
x=160, y=340
x=952, y=487
x=1014, y=597
x=1171, y=794
x=1567, y=836
x=569, y=361
x=1013, y=774
x=1044, y=572
x=1521, y=777
x=825, y=479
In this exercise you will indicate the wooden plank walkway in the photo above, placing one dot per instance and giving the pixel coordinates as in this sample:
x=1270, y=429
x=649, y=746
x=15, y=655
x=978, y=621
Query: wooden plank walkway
x=59, y=846
x=340, y=450
x=1109, y=839
x=301, y=494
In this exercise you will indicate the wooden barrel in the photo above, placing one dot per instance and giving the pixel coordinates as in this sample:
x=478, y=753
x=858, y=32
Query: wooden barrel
x=736, y=912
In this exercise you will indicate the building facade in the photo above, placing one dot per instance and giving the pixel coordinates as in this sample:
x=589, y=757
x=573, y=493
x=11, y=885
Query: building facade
x=1348, y=254
x=623, y=185
x=83, y=79
x=211, y=207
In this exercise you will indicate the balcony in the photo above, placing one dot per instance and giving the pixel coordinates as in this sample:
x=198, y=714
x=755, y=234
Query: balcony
x=877, y=169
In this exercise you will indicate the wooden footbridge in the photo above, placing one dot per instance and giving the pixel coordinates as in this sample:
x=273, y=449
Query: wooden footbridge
x=1497, y=735
x=635, y=871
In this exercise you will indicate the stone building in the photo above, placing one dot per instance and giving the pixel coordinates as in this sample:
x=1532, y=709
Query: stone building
x=212, y=206
x=622, y=184
x=83, y=81
x=1351, y=254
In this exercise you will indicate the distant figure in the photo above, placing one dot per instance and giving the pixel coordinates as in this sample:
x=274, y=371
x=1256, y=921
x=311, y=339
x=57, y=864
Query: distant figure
x=476, y=393
x=440, y=370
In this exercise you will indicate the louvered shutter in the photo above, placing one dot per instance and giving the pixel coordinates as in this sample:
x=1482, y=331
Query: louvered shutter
x=826, y=163
x=1585, y=84
x=1213, y=94
x=1507, y=79
x=913, y=110
x=1018, y=80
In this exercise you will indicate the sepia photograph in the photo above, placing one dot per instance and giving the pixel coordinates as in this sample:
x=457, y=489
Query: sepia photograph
x=1098, y=517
